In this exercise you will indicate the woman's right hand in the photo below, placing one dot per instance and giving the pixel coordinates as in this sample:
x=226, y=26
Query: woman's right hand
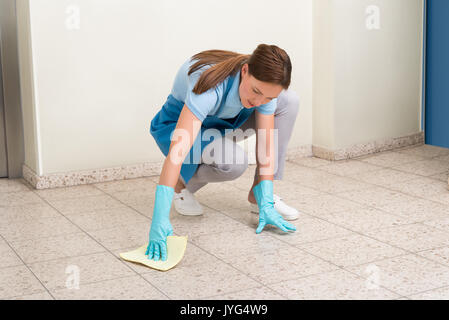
x=179, y=148
x=161, y=227
x=157, y=246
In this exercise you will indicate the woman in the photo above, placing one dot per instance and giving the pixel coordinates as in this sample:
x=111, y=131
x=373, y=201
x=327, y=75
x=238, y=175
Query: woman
x=214, y=94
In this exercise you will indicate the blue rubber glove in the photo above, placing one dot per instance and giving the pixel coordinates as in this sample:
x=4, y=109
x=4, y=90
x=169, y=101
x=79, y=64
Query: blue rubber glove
x=263, y=192
x=160, y=225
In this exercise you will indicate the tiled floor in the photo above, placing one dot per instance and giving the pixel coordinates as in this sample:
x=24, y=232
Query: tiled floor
x=375, y=227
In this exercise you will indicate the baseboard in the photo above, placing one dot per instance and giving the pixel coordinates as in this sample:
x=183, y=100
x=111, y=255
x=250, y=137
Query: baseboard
x=74, y=178
x=154, y=168
x=363, y=149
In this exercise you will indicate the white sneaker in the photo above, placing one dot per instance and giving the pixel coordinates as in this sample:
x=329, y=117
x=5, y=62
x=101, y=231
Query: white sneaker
x=287, y=212
x=186, y=203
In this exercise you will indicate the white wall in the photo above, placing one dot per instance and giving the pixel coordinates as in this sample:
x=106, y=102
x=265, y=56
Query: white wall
x=89, y=94
x=323, y=74
x=367, y=83
x=92, y=92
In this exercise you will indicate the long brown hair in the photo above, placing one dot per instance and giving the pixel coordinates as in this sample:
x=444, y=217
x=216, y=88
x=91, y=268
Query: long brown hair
x=268, y=63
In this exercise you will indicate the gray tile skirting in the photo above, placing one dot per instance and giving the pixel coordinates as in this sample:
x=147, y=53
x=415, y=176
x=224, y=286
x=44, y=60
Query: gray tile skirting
x=363, y=149
x=152, y=169
x=90, y=176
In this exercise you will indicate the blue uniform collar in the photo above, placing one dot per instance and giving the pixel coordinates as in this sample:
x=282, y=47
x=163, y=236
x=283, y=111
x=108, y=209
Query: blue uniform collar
x=233, y=97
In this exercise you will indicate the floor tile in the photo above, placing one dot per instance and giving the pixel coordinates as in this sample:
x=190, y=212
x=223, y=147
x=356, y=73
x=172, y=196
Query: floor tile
x=13, y=185
x=155, y=178
x=311, y=162
x=366, y=215
x=420, y=187
x=245, y=181
x=288, y=190
x=195, y=255
x=334, y=184
x=19, y=198
x=406, y=275
x=106, y=219
x=200, y=281
x=245, y=217
x=442, y=157
x=385, y=177
x=440, y=224
x=50, y=248
x=217, y=187
x=435, y=294
x=127, y=288
x=84, y=204
x=225, y=245
x=426, y=151
x=258, y=293
x=291, y=166
x=242, y=183
x=127, y=185
x=365, y=219
x=351, y=250
x=424, y=167
x=80, y=270
x=307, y=177
x=226, y=200
x=310, y=229
x=71, y=192
x=441, y=198
x=134, y=197
x=334, y=285
x=27, y=213
x=440, y=255
x=46, y=227
x=18, y=281
x=44, y=295
x=412, y=237
x=441, y=176
x=279, y=265
x=210, y=222
x=417, y=210
x=9, y=257
x=390, y=159
x=323, y=204
x=349, y=167
x=376, y=197
x=123, y=236
x=145, y=209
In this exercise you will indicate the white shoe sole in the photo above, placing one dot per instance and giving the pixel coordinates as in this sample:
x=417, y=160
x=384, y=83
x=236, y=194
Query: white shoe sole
x=189, y=213
x=255, y=209
x=184, y=208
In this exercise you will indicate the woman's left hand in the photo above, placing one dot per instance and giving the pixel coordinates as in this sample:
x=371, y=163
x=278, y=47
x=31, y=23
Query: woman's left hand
x=271, y=216
x=263, y=192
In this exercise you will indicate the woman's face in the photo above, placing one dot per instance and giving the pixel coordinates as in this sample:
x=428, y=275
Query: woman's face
x=253, y=92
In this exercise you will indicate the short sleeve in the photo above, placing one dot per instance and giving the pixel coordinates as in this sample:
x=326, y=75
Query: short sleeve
x=268, y=108
x=200, y=104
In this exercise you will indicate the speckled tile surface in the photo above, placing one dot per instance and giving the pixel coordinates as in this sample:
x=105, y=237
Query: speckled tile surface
x=406, y=275
x=371, y=227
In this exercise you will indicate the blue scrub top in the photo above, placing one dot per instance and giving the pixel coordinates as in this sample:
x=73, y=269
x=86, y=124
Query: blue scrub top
x=218, y=108
x=215, y=101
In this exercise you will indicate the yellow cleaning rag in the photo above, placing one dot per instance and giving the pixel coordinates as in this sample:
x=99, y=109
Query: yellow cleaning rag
x=176, y=246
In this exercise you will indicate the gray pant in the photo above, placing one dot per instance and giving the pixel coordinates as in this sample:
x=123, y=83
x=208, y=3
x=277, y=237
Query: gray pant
x=218, y=171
